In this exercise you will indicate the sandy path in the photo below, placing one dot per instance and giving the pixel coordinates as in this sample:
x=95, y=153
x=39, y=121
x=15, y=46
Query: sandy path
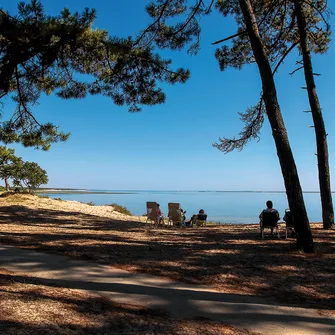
x=180, y=300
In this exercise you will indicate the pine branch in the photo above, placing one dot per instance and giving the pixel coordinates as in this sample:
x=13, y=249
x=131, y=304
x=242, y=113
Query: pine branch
x=285, y=55
x=296, y=70
x=320, y=13
x=230, y=37
x=154, y=23
x=189, y=19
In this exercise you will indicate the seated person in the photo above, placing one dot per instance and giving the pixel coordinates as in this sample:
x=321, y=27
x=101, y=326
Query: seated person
x=183, y=216
x=200, y=216
x=159, y=215
x=269, y=209
x=288, y=218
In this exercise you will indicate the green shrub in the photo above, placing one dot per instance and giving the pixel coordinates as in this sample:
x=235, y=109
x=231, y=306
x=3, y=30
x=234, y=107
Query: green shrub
x=91, y=203
x=19, y=190
x=121, y=209
x=43, y=196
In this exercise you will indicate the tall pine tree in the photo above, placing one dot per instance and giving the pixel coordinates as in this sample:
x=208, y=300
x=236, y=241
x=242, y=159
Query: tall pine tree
x=187, y=32
x=308, y=38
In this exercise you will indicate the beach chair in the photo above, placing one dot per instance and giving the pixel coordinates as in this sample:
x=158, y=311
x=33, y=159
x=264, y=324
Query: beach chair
x=270, y=221
x=152, y=212
x=288, y=218
x=176, y=218
x=200, y=220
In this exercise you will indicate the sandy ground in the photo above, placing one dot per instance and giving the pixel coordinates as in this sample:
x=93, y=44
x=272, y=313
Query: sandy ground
x=229, y=258
x=40, y=202
x=179, y=300
x=30, y=307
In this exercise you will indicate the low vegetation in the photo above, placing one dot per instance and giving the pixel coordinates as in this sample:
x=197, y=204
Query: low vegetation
x=121, y=209
x=43, y=196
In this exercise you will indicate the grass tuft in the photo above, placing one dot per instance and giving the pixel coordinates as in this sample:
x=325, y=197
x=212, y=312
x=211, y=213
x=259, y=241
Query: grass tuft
x=121, y=209
x=43, y=196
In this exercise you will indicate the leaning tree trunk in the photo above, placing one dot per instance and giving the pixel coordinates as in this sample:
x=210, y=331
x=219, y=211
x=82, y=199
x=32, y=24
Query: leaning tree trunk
x=7, y=184
x=319, y=126
x=284, y=152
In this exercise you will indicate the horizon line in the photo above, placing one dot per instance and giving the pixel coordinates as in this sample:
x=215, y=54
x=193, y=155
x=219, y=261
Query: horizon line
x=161, y=190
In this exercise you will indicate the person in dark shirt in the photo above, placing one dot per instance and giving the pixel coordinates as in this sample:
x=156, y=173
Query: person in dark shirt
x=200, y=216
x=269, y=209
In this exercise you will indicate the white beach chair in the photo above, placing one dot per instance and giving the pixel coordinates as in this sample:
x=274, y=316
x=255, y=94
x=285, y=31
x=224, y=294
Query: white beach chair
x=175, y=215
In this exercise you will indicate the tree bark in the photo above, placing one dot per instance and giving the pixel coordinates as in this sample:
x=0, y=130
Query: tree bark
x=7, y=184
x=319, y=126
x=279, y=133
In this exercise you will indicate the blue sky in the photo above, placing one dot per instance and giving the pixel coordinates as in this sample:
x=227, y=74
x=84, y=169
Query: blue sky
x=169, y=147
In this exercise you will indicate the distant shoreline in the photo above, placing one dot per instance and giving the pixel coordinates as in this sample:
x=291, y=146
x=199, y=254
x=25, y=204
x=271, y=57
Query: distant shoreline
x=67, y=191
x=84, y=191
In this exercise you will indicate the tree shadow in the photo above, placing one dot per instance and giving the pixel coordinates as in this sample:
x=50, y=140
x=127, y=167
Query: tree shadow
x=230, y=258
x=59, y=310
x=180, y=303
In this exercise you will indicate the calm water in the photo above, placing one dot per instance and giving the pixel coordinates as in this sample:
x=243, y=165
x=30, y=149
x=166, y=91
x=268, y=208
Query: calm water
x=228, y=207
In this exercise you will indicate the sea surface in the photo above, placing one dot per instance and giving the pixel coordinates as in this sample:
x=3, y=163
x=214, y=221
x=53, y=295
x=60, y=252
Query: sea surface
x=224, y=207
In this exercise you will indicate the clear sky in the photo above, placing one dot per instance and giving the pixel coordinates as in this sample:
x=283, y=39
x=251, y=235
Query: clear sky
x=169, y=147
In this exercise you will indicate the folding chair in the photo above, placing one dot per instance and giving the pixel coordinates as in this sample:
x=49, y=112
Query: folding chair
x=269, y=220
x=289, y=220
x=152, y=213
x=200, y=220
x=176, y=217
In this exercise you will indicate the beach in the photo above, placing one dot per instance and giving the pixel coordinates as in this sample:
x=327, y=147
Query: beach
x=229, y=258
x=221, y=207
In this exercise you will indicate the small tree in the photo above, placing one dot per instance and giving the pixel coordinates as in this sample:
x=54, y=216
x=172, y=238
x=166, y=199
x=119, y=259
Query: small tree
x=7, y=162
x=29, y=174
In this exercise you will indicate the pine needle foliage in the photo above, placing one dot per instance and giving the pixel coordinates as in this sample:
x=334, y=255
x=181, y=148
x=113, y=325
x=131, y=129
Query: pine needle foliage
x=64, y=56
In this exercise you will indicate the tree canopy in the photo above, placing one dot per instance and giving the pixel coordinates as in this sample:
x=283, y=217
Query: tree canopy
x=177, y=25
x=7, y=162
x=277, y=24
x=63, y=55
x=29, y=175
x=23, y=174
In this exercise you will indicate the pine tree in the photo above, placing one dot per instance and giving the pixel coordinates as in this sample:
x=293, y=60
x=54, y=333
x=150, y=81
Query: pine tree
x=284, y=25
x=317, y=10
x=7, y=162
x=29, y=175
x=253, y=48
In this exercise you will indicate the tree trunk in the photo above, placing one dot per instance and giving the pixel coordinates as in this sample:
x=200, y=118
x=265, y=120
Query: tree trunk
x=319, y=126
x=7, y=184
x=279, y=133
